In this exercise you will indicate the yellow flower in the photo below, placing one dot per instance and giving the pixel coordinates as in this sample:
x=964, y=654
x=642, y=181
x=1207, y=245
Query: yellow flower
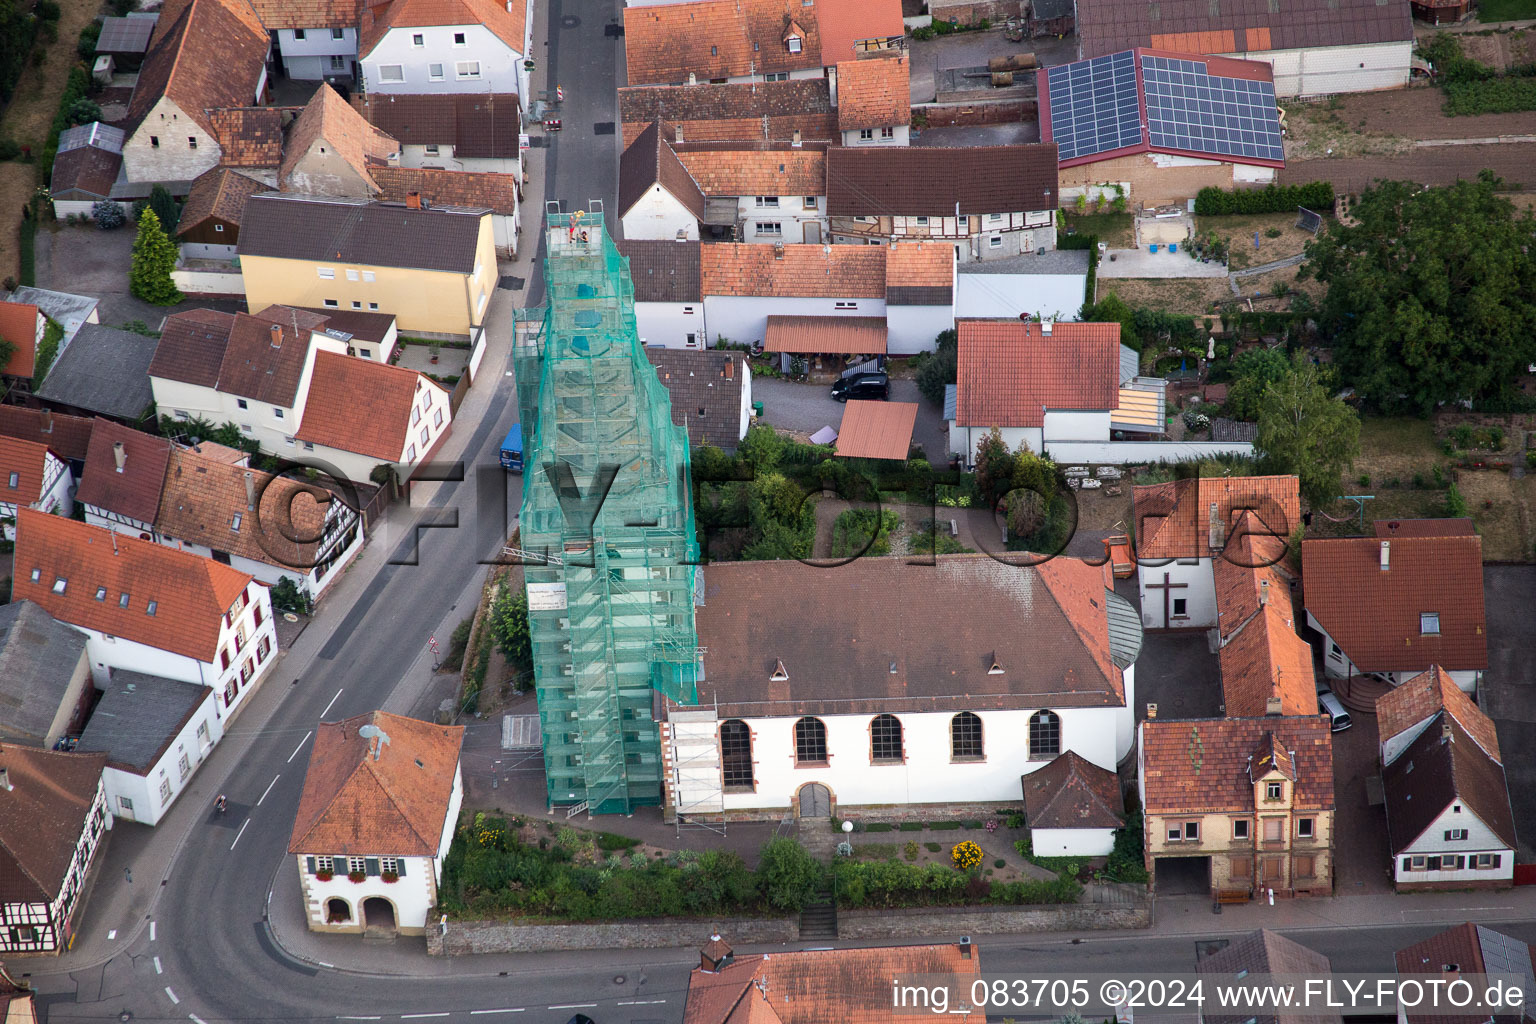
x=966, y=855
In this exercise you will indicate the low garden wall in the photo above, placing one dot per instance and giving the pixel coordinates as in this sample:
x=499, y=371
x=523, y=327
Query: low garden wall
x=459, y=938
x=209, y=282
x=1071, y=917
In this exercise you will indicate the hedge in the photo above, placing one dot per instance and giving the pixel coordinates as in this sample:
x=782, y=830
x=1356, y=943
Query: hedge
x=1213, y=201
x=1091, y=243
x=18, y=31
x=894, y=883
x=76, y=88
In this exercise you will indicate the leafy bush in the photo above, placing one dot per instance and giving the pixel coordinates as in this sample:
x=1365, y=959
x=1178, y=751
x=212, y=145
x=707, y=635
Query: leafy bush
x=82, y=111
x=48, y=10
x=109, y=215
x=862, y=531
x=609, y=841
x=966, y=855
x=940, y=369
x=911, y=826
x=1455, y=504
x=1014, y=821
x=1317, y=196
x=1196, y=420
x=508, y=622
x=18, y=30
x=10, y=149
x=933, y=847
x=47, y=352
x=1126, y=863
x=789, y=875
x=878, y=826
x=85, y=46
x=972, y=824
x=165, y=207
x=458, y=640
x=943, y=826
x=910, y=850
x=287, y=597
x=154, y=257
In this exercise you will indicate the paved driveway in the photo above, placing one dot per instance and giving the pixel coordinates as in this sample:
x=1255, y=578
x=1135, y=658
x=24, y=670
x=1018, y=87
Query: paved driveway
x=1509, y=687
x=806, y=408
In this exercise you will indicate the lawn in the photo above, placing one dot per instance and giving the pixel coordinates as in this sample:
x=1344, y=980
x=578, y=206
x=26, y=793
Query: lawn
x=1397, y=448
x=1192, y=295
x=1489, y=11
x=1239, y=231
x=1114, y=229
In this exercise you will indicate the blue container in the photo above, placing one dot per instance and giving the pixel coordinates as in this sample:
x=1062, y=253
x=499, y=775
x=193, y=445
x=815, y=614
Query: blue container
x=1173, y=246
x=1152, y=247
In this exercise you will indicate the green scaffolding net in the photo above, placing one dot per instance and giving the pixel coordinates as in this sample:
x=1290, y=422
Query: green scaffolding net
x=607, y=520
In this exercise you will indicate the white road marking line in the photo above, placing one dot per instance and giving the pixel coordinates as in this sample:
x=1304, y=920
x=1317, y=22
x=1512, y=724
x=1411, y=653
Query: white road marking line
x=1462, y=910
x=573, y=1006
x=415, y=1016
x=300, y=746
x=510, y=1009
x=151, y=932
x=171, y=994
x=333, y=701
x=240, y=833
x=112, y=934
x=158, y=968
x=322, y=963
x=357, y=1018
x=641, y=1002
x=193, y=1016
x=268, y=790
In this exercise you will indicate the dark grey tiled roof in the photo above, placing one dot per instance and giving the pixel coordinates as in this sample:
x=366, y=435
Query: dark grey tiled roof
x=354, y=231
x=105, y=371
x=932, y=180
x=38, y=657
x=663, y=271
x=703, y=398
x=138, y=717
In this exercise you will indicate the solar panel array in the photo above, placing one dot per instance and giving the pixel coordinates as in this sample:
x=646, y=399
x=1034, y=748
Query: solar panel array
x=1190, y=109
x=1094, y=107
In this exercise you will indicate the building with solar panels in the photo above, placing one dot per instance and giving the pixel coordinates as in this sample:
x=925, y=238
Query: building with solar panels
x=1161, y=125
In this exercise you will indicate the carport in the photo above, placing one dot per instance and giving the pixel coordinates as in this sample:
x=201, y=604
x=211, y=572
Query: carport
x=826, y=343
x=877, y=430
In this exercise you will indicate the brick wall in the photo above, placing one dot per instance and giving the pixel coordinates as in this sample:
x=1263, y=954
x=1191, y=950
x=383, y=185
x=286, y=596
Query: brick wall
x=469, y=937
x=945, y=115
x=969, y=12
x=901, y=924
x=1150, y=185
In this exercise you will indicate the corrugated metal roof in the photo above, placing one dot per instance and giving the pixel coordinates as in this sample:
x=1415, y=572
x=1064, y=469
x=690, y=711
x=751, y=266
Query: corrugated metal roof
x=877, y=430
x=97, y=134
x=1125, y=633
x=807, y=335
x=951, y=391
x=126, y=35
x=1130, y=364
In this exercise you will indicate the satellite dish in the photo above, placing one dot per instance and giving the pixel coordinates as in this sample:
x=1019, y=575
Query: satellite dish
x=381, y=738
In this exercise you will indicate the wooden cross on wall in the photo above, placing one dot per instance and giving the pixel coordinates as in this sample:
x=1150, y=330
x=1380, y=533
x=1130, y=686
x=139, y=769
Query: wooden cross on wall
x=1167, y=587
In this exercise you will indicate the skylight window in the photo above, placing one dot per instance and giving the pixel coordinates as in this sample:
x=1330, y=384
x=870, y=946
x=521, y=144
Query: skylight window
x=59, y=583
x=153, y=607
x=1429, y=624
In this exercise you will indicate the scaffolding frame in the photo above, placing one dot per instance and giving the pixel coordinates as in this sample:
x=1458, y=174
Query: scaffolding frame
x=608, y=516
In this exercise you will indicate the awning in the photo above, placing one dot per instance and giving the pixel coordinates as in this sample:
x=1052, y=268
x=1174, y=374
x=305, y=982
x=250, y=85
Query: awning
x=814, y=335
x=877, y=430
x=1141, y=407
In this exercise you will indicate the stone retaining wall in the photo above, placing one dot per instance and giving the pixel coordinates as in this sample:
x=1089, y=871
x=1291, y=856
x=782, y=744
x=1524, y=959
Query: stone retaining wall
x=469, y=937
x=949, y=922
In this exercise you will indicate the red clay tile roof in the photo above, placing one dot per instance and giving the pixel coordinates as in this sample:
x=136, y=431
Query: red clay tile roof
x=41, y=817
x=340, y=385
x=1045, y=625
x=249, y=136
x=204, y=494
x=919, y=265
x=1266, y=952
x=266, y=354
x=877, y=430
x=1442, y=765
x=932, y=180
x=29, y=461
x=485, y=189
x=764, y=111
x=1173, y=519
x=1426, y=695
x=1190, y=26
x=1072, y=792
x=1252, y=561
x=213, y=55
x=1203, y=765
x=812, y=335
x=192, y=345
x=217, y=194
x=794, y=271
x=1010, y=372
x=873, y=93
x=509, y=26
x=664, y=43
x=18, y=325
x=825, y=986
x=329, y=120
x=1461, y=950
x=307, y=14
x=1375, y=616
x=395, y=805
x=847, y=22
x=1387, y=529
x=649, y=162
x=88, y=171
x=135, y=492
x=1262, y=656
x=731, y=171
x=69, y=436
x=474, y=125
x=191, y=593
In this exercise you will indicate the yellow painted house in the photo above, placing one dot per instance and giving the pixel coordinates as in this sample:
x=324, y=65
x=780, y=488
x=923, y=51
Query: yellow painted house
x=432, y=269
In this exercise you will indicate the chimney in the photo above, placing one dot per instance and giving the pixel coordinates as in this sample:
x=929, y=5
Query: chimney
x=509, y=6
x=778, y=250
x=5, y=780
x=1151, y=710
x=1045, y=326
x=1263, y=593
x=1445, y=730
x=250, y=491
x=1386, y=555
x=715, y=954
x=729, y=373
x=277, y=336
x=693, y=79
x=795, y=140
x=967, y=948
x=413, y=200
x=1272, y=704
x=47, y=418
x=1218, y=532
x=677, y=130
x=119, y=456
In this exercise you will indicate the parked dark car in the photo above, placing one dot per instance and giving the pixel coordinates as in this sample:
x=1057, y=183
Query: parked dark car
x=862, y=385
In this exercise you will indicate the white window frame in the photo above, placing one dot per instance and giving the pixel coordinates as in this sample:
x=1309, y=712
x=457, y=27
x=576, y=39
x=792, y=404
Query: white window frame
x=460, y=74
x=771, y=228
x=418, y=40
x=460, y=39
x=326, y=273
x=766, y=202
x=338, y=62
x=368, y=275
x=1429, y=623
x=866, y=135
x=391, y=72
x=434, y=74
x=351, y=275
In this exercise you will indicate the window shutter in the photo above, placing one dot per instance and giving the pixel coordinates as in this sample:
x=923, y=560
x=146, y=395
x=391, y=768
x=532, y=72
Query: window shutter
x=341, y=862
x=309, y=865
x=1447, y=835
x=1496, y=858
x=371, y=865
x=1407, y=864
x=400, y=866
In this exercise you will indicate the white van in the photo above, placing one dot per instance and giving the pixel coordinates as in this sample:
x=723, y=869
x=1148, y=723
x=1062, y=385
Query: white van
x=1334, y=709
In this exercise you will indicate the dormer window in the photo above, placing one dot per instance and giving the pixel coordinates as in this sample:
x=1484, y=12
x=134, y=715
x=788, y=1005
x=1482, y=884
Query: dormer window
x=780, y=673
x=793, y=43
x=1429, y=624
x=1273, y=791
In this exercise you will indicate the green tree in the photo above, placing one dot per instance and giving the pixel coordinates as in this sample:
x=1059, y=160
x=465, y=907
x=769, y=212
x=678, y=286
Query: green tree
x=1431, y=293
x=509, y=626
x=165, y=207
x=941, y=368
x=154, y=257
x=789, y=875
x=83, y=111
x=994, y=466
x=7, y=349
x=1113, y=309
x=1304, y=430
x=1254, y=371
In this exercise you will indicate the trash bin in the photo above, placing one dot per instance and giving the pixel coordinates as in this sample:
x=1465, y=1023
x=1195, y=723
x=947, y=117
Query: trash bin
x=1152, y=247
x=757, y=410
x=1173, y=246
